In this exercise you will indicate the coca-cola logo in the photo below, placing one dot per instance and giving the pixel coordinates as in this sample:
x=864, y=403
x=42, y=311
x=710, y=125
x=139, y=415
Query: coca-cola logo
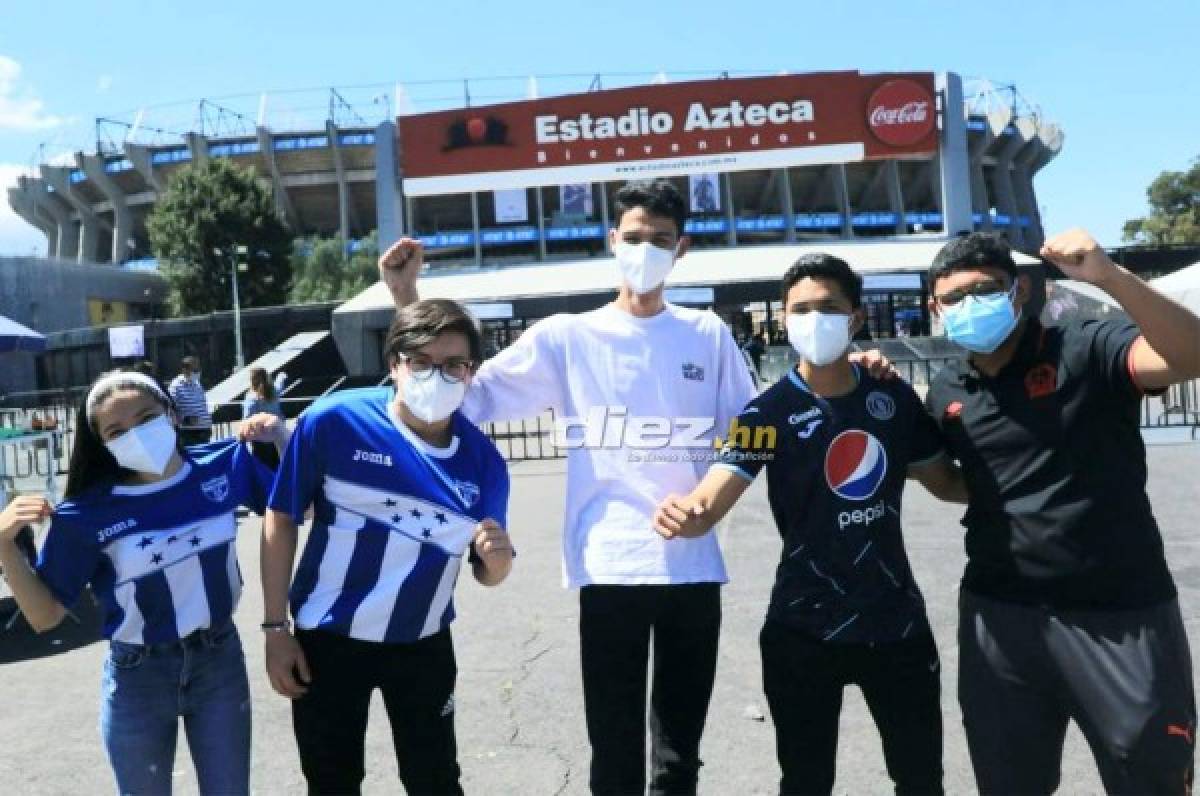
x=900, y=113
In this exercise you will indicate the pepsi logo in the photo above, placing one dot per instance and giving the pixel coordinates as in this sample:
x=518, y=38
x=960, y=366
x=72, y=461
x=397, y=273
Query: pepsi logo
x=855, y=465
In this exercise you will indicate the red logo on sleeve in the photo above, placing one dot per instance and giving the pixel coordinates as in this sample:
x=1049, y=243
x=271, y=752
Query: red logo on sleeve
x=1041, y=381
x=953, y=411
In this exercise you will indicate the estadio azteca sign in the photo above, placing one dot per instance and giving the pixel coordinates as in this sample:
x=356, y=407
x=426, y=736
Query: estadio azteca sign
x=668, y=130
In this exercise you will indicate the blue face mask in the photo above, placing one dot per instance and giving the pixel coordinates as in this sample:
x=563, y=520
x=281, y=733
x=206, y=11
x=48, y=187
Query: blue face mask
x=981, y=323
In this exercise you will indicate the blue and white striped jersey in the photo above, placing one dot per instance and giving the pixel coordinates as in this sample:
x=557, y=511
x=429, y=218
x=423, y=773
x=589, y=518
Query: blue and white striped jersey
x=190, y=401
x=393, y=516
x=160, y=557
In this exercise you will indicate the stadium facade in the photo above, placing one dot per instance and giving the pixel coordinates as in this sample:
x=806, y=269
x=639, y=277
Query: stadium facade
x=880, y=166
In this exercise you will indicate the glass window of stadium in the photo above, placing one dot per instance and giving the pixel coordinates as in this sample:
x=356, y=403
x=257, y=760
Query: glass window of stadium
x=445, y=225
x=815, y=200
x=920, y=195
x=573, y=220
x=508, y=228
x=895, y=306
x=758, y=211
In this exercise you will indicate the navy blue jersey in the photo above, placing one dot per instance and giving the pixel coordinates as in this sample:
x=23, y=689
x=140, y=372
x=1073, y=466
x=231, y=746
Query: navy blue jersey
x=393, y=519
x=835, y=478
x=160, y=557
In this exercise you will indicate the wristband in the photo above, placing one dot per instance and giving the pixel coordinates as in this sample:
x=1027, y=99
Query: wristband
x=276, y=627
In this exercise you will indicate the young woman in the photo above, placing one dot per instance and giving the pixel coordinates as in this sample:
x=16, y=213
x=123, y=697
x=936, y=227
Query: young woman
x=150, y=527
x=262, y=397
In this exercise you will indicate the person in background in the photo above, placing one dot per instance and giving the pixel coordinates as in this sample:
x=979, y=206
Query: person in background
x=195, y=420
x=1067, y=610
x=756, y=346
x=262, y=398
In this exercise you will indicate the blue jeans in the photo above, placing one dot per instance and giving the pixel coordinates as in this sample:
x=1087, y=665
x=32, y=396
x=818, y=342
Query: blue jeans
x=147, y=689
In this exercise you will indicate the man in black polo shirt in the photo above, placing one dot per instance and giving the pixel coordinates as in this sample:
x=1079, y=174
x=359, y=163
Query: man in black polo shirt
x=1067, y=609
x=838, y=445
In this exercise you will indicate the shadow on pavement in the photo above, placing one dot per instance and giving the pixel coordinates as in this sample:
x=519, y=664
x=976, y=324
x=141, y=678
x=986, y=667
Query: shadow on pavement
x=20, y=643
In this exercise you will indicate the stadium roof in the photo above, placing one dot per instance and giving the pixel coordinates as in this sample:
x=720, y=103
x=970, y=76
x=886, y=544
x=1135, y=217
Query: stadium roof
x=698, y=268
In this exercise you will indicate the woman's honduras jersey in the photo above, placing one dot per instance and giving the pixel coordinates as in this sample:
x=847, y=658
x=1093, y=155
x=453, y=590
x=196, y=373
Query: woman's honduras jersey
x=393, y=516
x=160, y=557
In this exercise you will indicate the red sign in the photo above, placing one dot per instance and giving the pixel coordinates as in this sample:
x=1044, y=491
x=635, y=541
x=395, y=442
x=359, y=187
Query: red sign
x=667, y=130
x=900, y=113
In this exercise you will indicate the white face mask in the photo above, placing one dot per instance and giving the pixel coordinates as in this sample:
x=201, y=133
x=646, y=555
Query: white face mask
x=818, y=337
x=644, y=266
x=146, y=448
x=432, y=399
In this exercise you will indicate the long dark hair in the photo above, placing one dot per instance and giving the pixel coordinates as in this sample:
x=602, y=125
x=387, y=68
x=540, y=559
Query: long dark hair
x=91, y=463
x=260, y=383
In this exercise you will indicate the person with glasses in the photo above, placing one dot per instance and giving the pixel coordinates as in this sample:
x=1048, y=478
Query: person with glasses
x=403, y=488
x=1067, y=610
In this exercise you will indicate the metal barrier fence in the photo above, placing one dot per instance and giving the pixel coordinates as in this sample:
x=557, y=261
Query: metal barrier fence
x=27, y=461
x=520, y=440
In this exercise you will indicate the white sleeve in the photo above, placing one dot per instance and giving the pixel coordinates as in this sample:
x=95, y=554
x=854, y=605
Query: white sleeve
x=521, y=381
x=735, y=387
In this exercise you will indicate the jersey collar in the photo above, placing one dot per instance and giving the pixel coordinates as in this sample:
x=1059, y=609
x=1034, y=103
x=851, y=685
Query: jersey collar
x=795, y=378
x=420, y=444
x=157, y=486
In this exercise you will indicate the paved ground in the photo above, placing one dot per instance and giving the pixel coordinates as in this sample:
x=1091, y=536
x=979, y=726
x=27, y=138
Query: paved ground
x=520, y=719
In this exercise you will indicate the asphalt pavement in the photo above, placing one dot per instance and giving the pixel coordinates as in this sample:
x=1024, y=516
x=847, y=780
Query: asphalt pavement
x=520, y=709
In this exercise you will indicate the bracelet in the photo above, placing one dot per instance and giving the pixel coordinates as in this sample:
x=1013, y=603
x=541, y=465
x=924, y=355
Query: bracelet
x=276, y=627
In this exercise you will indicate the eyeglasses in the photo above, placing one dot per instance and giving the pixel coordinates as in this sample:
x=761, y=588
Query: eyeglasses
x=421, y=367
x=984, y=289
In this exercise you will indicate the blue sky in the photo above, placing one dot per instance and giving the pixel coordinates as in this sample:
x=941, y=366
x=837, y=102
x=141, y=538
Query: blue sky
x=1116, y=76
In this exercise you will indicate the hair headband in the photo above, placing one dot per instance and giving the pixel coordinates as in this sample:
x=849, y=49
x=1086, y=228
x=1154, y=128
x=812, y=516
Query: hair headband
x=120, y=379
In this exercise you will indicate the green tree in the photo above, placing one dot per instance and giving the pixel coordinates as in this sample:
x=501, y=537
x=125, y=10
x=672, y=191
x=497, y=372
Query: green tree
x=218, y=205
x=328, y=269
x=1174, y=198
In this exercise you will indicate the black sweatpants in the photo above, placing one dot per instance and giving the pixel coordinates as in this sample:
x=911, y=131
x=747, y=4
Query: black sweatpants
x=804, y=679
x=1125, y=677
x=330, y=721
x=616, y=625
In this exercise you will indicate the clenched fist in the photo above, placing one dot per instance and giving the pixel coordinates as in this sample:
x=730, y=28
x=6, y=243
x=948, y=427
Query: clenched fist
x=680, y=516
x=1076, y=253
x=22, y=511
x=495, y=551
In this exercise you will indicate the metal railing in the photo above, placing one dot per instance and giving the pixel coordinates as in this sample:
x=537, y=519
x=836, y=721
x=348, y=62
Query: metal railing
x=521, y=440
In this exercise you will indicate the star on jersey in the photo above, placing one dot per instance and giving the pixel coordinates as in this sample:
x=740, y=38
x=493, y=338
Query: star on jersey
x=413, y=520
x=420, y=520
x=137, y=556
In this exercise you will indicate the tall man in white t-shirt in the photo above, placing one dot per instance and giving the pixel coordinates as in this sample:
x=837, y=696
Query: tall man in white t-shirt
x=630, y=385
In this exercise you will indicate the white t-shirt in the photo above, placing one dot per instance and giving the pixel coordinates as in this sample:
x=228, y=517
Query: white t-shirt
x=606, y=374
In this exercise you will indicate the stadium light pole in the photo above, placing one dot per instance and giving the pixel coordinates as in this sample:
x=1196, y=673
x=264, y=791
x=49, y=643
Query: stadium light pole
x=237, y=251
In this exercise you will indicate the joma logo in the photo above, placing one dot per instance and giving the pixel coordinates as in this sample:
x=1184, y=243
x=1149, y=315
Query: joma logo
x=372, y=458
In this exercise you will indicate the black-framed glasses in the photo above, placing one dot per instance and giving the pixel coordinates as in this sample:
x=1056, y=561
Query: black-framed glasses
x=453, y=371
x=985, y=289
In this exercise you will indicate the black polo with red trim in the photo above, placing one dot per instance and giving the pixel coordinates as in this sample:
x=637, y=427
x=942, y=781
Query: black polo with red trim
x=1055, y=465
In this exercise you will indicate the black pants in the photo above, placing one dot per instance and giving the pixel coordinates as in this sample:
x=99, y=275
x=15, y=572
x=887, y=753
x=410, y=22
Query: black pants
x=330, y=721
x=616, y=624
x=804, y=679
x=195, y=436
x=1125, y=677
x=267, y=453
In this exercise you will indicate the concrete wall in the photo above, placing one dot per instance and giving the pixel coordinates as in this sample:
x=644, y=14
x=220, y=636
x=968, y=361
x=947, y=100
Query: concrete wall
x=52, y=295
